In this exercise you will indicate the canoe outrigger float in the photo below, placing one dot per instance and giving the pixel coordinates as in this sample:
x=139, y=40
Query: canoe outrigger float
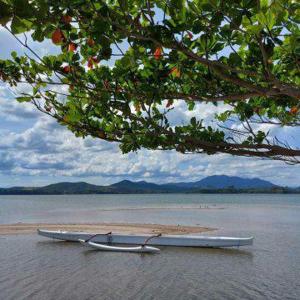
x=143, y=240
x=136, y=249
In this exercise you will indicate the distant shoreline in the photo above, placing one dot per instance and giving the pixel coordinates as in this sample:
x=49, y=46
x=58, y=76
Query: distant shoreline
x=126, y=228
x=218, y=184
x=202, y=192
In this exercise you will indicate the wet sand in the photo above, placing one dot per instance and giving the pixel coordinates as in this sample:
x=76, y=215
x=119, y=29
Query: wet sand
x=128, y=228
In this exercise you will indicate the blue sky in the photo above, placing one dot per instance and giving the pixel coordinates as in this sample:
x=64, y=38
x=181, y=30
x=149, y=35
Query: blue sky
x=35, y=150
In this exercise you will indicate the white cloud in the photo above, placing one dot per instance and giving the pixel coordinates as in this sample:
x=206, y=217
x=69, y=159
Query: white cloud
x=11, y=109
x=206, y=111
x=15, y=111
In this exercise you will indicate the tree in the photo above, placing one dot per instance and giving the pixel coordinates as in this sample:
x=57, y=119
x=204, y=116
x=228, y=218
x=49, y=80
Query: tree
x=243, y=55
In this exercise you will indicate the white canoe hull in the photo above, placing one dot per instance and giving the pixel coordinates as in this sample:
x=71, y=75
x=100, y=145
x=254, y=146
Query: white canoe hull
x=164, y=240
x=137, y=249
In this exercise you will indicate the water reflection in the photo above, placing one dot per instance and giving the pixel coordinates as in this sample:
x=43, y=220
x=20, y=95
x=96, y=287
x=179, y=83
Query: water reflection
x=209, y=251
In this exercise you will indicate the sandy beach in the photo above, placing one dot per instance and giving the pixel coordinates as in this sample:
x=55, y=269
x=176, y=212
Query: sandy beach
x=132, y=228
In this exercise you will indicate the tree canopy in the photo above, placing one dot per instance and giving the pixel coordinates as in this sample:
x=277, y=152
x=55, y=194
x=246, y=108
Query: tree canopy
x=123, y=66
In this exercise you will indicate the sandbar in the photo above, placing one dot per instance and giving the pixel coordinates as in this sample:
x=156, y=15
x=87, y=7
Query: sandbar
x=126, y=228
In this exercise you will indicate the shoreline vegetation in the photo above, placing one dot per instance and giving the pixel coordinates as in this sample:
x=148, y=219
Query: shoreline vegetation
x=206, y=191
x=123, y=228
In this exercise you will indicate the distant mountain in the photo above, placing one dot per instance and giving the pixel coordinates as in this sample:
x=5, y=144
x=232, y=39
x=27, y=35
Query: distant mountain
x=70, y=188
x=127, y=185
x=223, y=181
x=122, y=187
x=211, y=184
x=53, y=189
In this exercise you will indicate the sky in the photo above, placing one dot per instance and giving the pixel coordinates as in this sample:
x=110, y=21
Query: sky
x=35, y=150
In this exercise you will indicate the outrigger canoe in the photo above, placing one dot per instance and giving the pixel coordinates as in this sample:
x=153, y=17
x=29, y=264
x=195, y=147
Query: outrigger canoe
x=137, y=249
x=162, y=240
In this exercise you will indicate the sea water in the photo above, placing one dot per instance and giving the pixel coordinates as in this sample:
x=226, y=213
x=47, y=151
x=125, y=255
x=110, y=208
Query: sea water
x=32, y=267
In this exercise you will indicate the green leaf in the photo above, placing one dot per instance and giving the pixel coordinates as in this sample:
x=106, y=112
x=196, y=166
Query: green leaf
x=268, y=19
x=20, y=25
x=264, y=4
x=191, y=105
x=14, y=54
x=24, y=99
x=193, y=121
x=5, y=13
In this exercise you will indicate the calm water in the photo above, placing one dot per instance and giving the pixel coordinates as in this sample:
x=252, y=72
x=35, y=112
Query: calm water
x=32, y=267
